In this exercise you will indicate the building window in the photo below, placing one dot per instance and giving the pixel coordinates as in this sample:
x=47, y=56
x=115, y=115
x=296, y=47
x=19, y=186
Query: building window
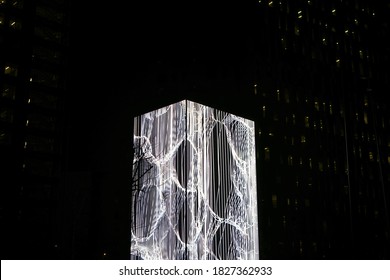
x=320, y=166
x=42, y=99
x=6, y=114
x=307, y=122
x=48, y=34
x=317, y=105
x=365, y=118
x=371, y=156
x=42, y=122
x=47, y=54
x=296, y=30
x=16, y=3
x=50, y=14
x=5, y=137
x=8, y=92
x=15, y=24
x=11, y=70
x=266, y=153
x=290, y=160
x=286, y=96
x=44, y=78
x=39, y=167
x=40, y=144
x=274, y=201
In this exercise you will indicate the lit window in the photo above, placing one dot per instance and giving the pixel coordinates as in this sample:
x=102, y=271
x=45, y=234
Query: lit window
x=365, y=118
x=371, y=156
x=321, y=166
x=317, y=105
x=361, y=55
x=15, y=24
x=307, y=123
x=284, y=43
x=303, y=139
x=266, y=153
x=16, y=3
x=8, y=91
x=274, y=201
x=264, y=111
x=278, y=94
x=296, y=30
x=2, y=2
x=334, y=12
x=338, y=64
x=290, y=160
x=44, y=78
x=11, y=70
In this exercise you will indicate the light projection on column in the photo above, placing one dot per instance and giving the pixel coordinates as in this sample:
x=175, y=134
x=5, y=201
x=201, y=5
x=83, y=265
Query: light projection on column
x=194, y=185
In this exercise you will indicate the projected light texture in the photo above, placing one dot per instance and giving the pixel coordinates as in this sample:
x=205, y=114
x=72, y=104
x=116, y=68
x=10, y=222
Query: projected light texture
x=194, y=185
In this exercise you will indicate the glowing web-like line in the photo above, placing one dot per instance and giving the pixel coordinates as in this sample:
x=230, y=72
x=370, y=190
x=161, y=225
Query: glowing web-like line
x=195, y=193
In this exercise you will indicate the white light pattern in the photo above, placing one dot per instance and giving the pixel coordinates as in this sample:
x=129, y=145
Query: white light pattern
x=194, y=185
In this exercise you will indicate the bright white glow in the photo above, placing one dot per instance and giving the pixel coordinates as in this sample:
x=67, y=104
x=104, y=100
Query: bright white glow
x=195, y=185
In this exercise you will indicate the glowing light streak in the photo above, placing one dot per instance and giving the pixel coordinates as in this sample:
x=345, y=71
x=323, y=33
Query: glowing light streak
x=194, y=195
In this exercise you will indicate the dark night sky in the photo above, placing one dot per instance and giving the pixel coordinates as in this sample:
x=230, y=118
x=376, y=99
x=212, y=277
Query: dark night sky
x=118, y=52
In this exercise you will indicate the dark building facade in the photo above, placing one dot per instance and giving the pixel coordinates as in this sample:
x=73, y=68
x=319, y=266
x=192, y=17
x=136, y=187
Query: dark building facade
x=323, y=129
x=33, y=81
